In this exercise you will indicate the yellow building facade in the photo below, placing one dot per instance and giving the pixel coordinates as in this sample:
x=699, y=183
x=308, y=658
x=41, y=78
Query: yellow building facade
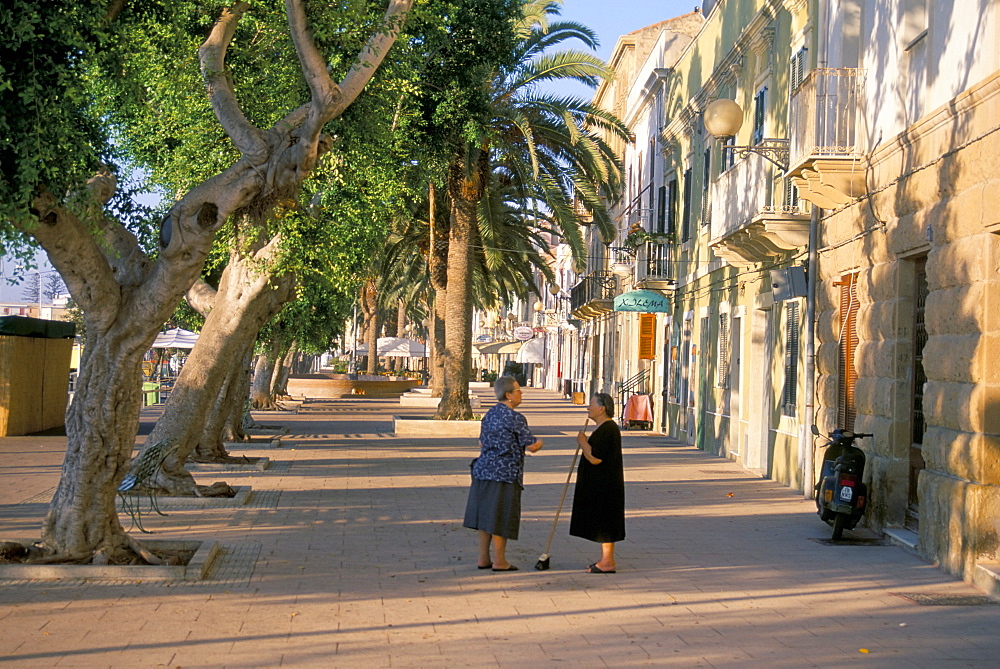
x=834, y=259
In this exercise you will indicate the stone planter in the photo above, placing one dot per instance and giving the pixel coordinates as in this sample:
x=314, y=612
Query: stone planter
x=194, y=570
x=336, y=386
x=429, y=427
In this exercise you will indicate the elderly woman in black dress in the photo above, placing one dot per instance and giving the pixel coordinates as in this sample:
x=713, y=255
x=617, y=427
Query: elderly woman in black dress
x=494, y=506
x=599, y=500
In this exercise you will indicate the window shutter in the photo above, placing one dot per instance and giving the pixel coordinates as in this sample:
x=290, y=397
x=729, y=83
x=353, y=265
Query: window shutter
x=798, y=69
x=706, y=183
x=848, y=344
x=647, y=336
x=759, y=107
x=789, y=395
x=686, y=212
x=671, y=207
x=723, y=359
x=661, y=210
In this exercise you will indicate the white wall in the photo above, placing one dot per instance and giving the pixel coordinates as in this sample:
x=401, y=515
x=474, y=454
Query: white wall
x=907, y=76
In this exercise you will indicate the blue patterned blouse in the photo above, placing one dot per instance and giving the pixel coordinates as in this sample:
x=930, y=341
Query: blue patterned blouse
x=504, y=435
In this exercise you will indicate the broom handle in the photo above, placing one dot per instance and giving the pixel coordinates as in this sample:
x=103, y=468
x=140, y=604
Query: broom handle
x=552, y=532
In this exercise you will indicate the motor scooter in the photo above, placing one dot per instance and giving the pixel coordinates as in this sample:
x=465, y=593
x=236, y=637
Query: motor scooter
x=841, y=496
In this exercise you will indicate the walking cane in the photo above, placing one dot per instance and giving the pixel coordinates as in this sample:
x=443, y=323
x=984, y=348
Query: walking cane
x=543, y=559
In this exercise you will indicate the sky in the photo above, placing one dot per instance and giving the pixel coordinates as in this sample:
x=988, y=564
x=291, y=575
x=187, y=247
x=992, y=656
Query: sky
x=614, y=18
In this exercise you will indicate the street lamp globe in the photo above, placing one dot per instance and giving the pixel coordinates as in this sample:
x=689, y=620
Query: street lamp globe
x=553, y=289
x=723, y=118
x=538, y=306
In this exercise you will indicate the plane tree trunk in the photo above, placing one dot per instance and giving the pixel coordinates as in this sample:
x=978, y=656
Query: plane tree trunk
x=225, y=419
x=125, y=295
x=246, y=299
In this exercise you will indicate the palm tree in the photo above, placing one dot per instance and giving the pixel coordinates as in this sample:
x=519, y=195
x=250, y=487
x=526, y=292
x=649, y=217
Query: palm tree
x=548, y=149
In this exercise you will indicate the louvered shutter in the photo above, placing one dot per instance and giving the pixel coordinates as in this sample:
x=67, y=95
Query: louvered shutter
x=759, y=109
x=647, y=336
x=706, y=183
x=686, y=212
x=789, y=395
x=848, y=344
x=661, y=210
x=723, y=361
x=671, y=207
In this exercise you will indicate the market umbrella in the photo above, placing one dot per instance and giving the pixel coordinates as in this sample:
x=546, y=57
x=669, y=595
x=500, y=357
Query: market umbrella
x=176, y=338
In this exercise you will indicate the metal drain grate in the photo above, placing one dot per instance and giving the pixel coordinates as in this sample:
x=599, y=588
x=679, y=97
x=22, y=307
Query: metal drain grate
x=947, y=600
x=849, y=542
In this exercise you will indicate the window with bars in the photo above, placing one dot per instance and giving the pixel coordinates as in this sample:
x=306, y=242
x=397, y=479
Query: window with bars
x=848, y=341
x=789, y=394
x=759, y=114
x=686, y=206
x=722, y=379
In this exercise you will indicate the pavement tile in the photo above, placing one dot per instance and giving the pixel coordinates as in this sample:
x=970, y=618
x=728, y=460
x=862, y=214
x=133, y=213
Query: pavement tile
x=354, y=556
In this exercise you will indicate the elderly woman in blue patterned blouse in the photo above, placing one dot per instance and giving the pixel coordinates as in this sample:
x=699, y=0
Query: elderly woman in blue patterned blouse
x=494, y=506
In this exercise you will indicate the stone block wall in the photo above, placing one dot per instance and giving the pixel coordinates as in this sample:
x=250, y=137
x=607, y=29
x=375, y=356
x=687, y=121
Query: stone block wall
x=934, y=192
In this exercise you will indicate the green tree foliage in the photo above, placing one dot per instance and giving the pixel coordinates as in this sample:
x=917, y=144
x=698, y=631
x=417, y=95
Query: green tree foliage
x=46, y=139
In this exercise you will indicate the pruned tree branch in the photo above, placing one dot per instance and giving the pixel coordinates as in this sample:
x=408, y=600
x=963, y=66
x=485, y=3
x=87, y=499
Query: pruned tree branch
x=247, y=138
x=76, y=253
x=330, y=99
x=201, y=297
x=372, y=55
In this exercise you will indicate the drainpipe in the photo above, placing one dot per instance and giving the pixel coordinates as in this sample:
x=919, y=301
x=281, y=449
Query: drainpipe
x=809, y=417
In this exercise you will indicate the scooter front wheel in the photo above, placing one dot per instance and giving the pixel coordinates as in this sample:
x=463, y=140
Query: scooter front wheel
x=838, y=526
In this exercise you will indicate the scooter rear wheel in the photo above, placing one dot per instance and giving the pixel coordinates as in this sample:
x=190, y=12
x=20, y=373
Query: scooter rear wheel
x=839, y=522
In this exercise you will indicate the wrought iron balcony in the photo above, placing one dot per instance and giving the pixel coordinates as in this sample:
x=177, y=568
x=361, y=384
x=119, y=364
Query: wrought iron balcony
x=593, y=295
x=653, y=268
x=824, y=155
x=746, y=227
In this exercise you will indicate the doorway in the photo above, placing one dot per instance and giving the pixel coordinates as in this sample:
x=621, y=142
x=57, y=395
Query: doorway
x=918, y=426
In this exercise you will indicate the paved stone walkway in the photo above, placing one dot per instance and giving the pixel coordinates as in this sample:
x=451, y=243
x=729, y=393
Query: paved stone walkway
x=350, y=553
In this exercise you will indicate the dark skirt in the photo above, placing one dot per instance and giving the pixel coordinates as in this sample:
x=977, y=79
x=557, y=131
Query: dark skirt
x=494, y=507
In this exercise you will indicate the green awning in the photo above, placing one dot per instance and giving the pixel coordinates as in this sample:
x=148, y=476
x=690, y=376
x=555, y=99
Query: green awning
x=645, y=301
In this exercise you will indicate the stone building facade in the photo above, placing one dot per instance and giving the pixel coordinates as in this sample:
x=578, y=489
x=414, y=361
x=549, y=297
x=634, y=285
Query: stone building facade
x=868, y=156
x=908, y=305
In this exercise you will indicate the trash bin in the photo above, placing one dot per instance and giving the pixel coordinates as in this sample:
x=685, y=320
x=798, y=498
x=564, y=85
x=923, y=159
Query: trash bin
x=579, y=398
x=151, y=393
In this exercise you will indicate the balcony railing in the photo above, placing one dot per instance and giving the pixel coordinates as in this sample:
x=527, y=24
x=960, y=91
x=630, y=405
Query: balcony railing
x=824, y=114
x=653, y=262
x=595, y=293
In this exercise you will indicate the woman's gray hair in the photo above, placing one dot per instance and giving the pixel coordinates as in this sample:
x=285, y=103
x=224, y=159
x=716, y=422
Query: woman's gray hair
x=502, y=386
x=607, y=402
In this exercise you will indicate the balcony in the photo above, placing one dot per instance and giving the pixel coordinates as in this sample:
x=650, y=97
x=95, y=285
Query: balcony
x=593, y=296
x=825, y=158
x=652, y=266
x=746, y=227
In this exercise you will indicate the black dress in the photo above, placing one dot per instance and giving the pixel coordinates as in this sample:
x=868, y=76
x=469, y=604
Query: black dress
x=599, y=499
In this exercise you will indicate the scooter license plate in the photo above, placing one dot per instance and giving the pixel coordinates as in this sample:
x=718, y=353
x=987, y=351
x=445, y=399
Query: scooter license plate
x=846, y=494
